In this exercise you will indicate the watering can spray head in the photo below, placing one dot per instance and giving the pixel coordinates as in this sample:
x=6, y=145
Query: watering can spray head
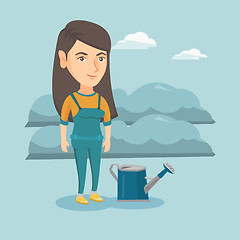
x=167, y=169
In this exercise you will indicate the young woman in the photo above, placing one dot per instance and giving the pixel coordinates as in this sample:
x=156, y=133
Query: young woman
x=82, y=94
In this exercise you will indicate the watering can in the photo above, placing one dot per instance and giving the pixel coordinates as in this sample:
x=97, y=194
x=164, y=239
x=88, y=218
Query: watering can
x=132, y=181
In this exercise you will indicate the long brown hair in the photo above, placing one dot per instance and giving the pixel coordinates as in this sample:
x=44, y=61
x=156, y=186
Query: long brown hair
x=63, y=82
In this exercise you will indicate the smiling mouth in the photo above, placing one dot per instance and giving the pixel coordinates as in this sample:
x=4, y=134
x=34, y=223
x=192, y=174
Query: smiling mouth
x=91, y=75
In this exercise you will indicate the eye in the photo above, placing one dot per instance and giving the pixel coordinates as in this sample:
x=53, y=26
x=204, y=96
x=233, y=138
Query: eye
x=82, y=59
x=101, y=59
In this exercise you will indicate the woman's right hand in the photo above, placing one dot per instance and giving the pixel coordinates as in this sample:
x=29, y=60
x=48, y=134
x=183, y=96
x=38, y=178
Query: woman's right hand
x=64, y=144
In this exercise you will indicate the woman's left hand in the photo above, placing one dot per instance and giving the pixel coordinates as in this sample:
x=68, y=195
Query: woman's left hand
x=107, y=145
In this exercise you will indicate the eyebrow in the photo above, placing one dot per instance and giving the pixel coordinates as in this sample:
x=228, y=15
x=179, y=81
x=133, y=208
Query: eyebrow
x=87, y=54
x=100, y=53
x=81, y=53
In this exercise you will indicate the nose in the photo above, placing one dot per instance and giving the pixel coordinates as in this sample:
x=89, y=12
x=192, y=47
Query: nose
x=95, y=65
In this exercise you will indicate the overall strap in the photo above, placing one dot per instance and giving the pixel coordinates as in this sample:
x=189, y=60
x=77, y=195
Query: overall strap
x=75, y=100
x=99, y=100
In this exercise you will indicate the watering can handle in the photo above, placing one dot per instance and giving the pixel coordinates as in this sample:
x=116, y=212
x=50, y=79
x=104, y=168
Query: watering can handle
x=111, y=171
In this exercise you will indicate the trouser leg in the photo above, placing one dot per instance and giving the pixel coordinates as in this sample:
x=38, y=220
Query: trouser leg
x=81, y=163
x=95, y=159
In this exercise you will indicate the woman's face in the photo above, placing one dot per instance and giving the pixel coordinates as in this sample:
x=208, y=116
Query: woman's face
x=85, y=63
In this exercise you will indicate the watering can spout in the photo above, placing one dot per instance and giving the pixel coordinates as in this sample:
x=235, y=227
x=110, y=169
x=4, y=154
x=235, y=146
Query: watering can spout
x=167, y=169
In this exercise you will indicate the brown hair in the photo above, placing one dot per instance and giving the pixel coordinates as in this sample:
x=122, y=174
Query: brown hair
x=63, y=82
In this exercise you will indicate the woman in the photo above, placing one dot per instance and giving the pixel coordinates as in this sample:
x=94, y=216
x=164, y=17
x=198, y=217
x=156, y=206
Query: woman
x=82, y=94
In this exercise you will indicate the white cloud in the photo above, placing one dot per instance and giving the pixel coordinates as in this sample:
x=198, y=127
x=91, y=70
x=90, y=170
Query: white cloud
x=192, y=54
x=138, y=40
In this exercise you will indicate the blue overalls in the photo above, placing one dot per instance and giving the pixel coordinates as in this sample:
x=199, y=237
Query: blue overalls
x=87, y=137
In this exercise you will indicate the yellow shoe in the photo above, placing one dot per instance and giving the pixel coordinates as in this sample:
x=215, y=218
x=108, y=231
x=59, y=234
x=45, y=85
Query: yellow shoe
x=81, y=199
x=95, y=197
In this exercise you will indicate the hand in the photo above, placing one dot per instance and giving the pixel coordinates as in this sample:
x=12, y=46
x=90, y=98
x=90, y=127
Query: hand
x=107, y=145
x=64, y=144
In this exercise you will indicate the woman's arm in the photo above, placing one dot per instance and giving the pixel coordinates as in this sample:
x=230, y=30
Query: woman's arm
x=107, y=124
x=107, y=142
x=64, y=142
x=64, y=122
x=107, y=133
x=63, y=129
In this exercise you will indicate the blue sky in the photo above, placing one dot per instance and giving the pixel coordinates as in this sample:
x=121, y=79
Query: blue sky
x=210, y=27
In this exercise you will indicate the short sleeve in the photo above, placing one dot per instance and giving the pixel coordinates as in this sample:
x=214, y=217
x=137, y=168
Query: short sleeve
x=107, y=116
x=65, y=111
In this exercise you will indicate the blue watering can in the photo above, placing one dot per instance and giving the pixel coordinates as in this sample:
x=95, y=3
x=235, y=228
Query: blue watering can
x=132, y=181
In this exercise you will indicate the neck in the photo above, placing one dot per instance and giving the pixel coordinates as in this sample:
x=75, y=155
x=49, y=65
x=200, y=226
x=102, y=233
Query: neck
x=85, y=89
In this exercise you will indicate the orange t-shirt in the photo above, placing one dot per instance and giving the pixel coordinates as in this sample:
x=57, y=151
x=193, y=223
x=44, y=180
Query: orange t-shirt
x=85, y=101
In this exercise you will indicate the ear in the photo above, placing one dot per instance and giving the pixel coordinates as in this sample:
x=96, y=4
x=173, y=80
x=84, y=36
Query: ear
x=62, y=58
